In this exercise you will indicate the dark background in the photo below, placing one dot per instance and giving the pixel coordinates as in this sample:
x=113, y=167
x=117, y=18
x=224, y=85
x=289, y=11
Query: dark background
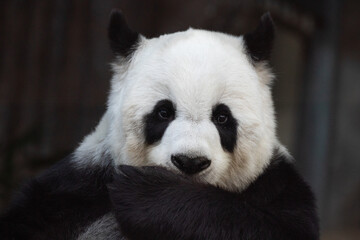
x=54, y=79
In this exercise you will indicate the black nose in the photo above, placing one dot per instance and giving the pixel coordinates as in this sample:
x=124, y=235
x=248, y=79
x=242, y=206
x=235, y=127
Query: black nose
x=190, y=165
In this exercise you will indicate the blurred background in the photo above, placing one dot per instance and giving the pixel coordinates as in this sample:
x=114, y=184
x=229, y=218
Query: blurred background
x=54, y=79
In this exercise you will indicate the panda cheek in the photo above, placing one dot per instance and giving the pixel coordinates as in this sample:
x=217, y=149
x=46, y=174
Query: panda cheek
x=158, y=155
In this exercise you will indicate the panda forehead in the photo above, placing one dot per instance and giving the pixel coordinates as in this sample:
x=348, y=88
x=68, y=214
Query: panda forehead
x=194, y=62
x=194, y=51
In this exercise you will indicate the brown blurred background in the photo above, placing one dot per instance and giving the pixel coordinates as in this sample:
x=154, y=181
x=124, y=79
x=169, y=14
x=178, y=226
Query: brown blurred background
x=54, y=79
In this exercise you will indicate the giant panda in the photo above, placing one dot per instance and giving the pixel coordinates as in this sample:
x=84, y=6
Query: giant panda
x=187, y=149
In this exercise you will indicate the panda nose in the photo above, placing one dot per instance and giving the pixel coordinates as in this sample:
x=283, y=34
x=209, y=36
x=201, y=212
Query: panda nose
x=190, y=165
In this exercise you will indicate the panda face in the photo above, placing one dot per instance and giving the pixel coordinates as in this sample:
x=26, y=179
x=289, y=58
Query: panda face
x=193, y=102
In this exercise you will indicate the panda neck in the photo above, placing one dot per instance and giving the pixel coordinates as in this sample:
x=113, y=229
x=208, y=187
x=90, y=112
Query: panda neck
x=94, y=148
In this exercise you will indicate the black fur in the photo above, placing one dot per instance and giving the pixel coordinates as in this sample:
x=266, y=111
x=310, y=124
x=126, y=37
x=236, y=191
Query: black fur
x=123, y=40
x=153, y=203
x=58, y=204
x=155, y=125
x=260, y=42
x=227, y=130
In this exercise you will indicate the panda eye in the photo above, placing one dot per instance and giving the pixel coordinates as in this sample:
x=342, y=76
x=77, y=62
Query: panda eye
x=221, y=115
x=222, y=118
x=164, y=114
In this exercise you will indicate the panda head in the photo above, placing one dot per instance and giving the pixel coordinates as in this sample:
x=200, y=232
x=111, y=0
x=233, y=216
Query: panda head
x=196, y=102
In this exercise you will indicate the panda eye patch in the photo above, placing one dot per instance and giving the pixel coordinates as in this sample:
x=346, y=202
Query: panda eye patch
x=158, y=120
x=226, y=125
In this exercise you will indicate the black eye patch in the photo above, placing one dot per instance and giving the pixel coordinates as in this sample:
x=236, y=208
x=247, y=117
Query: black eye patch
x=158, y=120
x=226, y=125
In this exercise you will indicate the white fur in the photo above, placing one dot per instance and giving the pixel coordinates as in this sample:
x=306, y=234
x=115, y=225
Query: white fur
x=195, y=69
x=105, y=228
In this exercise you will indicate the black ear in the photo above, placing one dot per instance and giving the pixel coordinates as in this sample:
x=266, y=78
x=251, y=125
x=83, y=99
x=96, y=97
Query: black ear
x=259, y=43
x=122, y=39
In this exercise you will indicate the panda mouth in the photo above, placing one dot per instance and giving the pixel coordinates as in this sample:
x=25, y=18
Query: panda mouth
x=199, y=177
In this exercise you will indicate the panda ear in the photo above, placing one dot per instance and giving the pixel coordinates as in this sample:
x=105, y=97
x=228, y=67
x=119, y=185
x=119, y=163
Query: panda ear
x=122, y=39
x=259, y=42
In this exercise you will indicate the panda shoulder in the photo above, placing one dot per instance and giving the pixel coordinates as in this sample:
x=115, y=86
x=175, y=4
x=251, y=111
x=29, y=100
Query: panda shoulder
x=282, y=182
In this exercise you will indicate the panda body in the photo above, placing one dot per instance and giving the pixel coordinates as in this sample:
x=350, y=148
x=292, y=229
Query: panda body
x=187, y=149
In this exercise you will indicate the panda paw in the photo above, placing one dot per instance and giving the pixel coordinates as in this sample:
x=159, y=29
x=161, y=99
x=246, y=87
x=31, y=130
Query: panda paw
x=136, y=185
x=143, y=196
x=150, y=176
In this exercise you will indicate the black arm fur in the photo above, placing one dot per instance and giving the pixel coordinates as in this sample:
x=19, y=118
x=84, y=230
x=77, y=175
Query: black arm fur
x=58, y=203
x=153, y=203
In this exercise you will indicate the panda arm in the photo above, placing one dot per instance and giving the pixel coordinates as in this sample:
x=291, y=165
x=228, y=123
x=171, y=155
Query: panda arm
x=153, y=203
x=58, y=203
